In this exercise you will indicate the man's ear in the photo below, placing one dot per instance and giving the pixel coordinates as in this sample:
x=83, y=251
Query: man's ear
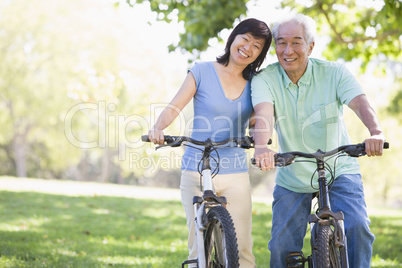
x=311, y=46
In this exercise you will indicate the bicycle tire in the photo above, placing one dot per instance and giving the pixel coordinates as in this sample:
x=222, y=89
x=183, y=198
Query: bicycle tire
x=327, y=255
x=220, y=240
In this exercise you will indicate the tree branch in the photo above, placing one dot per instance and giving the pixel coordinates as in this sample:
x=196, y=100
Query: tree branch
x=338, y=36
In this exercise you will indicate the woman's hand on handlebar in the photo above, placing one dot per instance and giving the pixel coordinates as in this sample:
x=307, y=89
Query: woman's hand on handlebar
x=156, y=136
x=264, y=158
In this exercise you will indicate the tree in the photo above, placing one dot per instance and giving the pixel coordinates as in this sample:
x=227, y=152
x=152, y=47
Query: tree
x=31, y=91
x=368, y=31
x=365, y=32
x=202, y=19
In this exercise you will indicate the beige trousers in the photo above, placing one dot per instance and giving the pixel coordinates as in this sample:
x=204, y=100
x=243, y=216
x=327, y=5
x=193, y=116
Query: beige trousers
x=236, y=188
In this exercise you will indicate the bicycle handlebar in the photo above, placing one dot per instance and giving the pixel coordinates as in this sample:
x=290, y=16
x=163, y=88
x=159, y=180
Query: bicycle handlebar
x=245, y=142
x=353, y=150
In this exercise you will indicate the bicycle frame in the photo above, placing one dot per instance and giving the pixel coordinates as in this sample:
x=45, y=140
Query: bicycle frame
x=209, y=209
x=324, y=216
x=208, y=200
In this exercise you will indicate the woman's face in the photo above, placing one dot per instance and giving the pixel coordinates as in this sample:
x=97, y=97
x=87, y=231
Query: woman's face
x=246, y=48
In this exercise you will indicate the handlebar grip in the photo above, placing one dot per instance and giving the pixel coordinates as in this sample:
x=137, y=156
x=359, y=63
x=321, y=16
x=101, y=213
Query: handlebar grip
x=145, y=138
x=386, y=145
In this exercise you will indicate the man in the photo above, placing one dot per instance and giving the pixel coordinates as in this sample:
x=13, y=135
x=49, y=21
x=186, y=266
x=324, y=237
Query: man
x=304, y=98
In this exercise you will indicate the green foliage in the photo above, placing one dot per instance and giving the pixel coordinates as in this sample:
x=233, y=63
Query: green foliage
x=356, y=31
x=202, y=19
x=395, y=106
x=32, y=86
x=72, y=79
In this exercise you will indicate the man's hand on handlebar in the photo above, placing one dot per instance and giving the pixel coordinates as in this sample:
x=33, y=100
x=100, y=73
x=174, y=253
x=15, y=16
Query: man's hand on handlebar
x=374, y=145
x=264, y=158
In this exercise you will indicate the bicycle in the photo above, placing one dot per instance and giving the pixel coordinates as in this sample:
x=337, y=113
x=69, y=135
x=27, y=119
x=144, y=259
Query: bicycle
x=328, y=239
x=215, y=234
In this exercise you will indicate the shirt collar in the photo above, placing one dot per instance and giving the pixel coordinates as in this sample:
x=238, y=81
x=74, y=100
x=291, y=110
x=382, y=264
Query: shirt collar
x=305, y=79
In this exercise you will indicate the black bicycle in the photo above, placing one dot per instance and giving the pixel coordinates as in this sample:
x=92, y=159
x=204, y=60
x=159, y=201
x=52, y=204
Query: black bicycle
x=215, y=233
x=328, y=239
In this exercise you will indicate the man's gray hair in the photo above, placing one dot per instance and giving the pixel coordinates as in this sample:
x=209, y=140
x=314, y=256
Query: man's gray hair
x=307, y=22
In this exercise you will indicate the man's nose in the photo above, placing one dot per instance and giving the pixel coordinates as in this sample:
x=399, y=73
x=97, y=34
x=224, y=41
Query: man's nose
x=288, y=49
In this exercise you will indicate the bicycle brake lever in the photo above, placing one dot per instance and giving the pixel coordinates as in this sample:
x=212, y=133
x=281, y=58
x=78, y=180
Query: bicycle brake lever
x=172, y=144
x=356, y=150
x=283, y=160
x=175, y=144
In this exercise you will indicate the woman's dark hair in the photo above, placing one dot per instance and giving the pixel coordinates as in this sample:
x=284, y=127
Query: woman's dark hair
x=258, y=29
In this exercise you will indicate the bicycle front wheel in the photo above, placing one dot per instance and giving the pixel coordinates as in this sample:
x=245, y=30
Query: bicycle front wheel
x=327, y=255
x=220, y=240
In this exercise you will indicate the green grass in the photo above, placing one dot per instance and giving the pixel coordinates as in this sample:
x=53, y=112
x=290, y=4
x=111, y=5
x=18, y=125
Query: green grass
x=45, y=230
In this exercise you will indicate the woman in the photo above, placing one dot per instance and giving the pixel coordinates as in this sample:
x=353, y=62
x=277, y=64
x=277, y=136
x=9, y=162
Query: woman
x=222, y=108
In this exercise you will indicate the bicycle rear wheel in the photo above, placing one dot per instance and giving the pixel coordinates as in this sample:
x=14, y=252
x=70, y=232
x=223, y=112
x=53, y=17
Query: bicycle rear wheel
x=327, y=255
x=220, y=240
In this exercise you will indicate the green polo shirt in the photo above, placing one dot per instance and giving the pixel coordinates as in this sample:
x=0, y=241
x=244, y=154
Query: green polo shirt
x=308, y=116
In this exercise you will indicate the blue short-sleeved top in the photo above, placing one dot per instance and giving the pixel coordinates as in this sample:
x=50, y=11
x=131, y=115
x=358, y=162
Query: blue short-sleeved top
x=308, y=116
x=218, y=118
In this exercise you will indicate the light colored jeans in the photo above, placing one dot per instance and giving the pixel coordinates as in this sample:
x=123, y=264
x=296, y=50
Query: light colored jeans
x=236, y=188
x=290, y=212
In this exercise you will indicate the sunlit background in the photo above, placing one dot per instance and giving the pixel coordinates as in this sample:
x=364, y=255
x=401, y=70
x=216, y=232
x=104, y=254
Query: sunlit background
x=82, y=80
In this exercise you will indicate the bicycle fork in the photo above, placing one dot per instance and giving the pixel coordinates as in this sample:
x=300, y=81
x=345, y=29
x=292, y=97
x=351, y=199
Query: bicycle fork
x=201, y=204
x=326, y=216
x=201, y=221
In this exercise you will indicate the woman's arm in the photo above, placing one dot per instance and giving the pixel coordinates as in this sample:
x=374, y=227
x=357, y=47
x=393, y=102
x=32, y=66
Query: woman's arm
x=169, y=114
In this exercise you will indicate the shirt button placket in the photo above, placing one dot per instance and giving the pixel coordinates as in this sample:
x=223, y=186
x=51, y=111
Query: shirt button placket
x=300, y=99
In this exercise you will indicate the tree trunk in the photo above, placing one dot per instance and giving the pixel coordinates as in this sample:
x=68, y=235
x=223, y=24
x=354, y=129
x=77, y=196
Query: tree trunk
x=19, y=148
x=105, y=165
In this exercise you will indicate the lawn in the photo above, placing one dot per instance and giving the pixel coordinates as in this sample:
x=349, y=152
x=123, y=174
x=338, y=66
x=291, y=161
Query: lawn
x=55, y=230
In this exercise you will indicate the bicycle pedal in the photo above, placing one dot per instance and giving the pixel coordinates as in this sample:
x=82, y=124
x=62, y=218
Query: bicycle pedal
x=295, y=259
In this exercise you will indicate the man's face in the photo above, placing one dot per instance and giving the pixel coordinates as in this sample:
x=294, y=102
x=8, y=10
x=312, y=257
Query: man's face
x=293, y=50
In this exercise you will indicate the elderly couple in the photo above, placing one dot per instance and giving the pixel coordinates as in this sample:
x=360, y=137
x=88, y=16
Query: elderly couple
x=303, y=98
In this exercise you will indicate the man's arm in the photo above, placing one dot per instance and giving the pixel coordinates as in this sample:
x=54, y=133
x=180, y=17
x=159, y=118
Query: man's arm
x=264, y=125
x=374, y=144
